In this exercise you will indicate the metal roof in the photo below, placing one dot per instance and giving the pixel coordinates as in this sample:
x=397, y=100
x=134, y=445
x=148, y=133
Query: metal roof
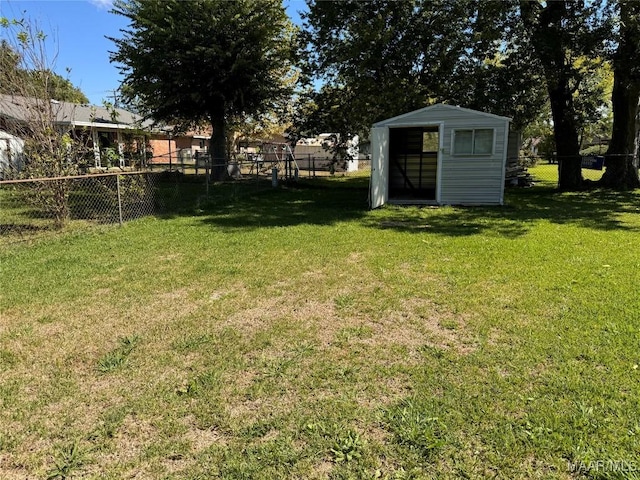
x=435, y=108
x=77, y=115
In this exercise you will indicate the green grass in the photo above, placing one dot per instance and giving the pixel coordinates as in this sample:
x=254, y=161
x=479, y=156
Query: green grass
x=547, y=174
x=294, y=333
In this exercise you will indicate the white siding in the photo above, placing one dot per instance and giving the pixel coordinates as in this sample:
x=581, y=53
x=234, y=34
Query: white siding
x=379, y=182
x=462, y=179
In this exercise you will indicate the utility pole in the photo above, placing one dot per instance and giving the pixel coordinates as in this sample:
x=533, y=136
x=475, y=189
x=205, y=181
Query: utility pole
x=116, y=103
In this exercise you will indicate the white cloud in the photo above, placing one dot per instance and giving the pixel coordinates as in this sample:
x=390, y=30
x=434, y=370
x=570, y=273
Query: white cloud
x=102, y=4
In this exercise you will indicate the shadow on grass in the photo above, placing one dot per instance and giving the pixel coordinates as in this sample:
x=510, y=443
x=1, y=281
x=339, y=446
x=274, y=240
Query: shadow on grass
x=242, y=206
x=313, y=202
x=23, y=228
x=598, y=210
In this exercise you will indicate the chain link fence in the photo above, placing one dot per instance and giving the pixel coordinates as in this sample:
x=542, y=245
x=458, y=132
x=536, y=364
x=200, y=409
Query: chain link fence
x=259, y=165
x=30, y=206
x=526, y=171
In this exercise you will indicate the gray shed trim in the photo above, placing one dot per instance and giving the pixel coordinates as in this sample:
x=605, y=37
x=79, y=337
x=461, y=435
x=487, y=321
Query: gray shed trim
x=417, y=116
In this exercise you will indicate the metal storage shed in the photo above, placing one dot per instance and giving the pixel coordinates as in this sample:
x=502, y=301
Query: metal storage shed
x=439, y=155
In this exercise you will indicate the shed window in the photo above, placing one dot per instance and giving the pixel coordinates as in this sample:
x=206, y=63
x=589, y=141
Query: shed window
x=473, y=142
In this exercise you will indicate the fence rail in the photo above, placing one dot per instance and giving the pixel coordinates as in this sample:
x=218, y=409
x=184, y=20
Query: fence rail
x=29, y=206
x=259, y=165
x=532, y=170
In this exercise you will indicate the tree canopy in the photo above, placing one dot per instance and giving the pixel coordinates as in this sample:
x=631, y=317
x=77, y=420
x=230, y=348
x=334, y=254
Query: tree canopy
x=381, y=58
x=204, y=60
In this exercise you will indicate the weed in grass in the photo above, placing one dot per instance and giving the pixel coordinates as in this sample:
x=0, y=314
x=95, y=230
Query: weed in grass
x=7, y=441
x=68, y=460
x=108, y=427
x=344, y=301
x=204, y=383
x=118, y=356
x=45, y=319
x=433, y=352
x=359, y=332
x=416, y=428
x=347, y=447
x=449, y=324
x=23, y=331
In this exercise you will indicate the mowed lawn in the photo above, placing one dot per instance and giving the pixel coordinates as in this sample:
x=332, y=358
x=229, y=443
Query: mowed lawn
x=296, y=334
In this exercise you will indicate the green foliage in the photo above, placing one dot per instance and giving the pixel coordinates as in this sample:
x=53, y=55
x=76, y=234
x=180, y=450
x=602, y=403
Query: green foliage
x=380, y=59
x=26, y=72
x=347, y=447
x=15, y=70
x=68, y=460
x=416, y=429
x=204, y=61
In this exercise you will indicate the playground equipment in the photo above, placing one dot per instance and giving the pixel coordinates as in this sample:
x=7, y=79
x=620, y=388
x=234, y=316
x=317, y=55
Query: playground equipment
x=279, y=156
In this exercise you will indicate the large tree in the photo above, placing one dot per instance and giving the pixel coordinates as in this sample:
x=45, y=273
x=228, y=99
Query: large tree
x=381, y=58
x=621, y=172
x=204, y=60
x=566, y=36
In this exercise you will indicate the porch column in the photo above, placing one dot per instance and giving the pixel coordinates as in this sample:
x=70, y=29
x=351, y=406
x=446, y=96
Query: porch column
x=120, y=149
x=96, y=147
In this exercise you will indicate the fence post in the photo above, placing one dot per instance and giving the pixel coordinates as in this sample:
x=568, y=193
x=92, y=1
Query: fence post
x=119, y=199
x=207, y=177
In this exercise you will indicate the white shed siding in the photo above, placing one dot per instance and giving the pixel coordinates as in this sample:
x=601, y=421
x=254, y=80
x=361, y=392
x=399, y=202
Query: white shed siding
x=473, y=179
x=379, y=182
x=470, y=179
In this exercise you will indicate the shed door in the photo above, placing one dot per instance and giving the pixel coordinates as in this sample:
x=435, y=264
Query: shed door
x=413, y=161
x=379, y=175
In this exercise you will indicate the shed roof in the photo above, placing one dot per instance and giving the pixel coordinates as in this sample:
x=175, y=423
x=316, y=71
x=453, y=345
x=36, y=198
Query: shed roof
x=434, y=109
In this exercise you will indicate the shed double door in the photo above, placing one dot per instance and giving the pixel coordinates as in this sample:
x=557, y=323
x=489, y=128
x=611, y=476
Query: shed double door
x=413, y=162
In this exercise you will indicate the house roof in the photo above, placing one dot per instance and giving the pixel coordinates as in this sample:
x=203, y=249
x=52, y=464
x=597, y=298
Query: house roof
x=438, y=107
x=72, y=114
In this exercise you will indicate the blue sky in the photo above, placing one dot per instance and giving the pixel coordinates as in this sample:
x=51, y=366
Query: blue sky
x=78, y=28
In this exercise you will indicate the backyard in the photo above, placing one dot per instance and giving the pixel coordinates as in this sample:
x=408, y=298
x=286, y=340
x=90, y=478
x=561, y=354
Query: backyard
x=293, y=333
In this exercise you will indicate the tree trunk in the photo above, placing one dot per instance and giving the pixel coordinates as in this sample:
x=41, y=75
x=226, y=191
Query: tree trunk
x=549, y=45
x=218, y=147
x=566, y=135
x=621, y=172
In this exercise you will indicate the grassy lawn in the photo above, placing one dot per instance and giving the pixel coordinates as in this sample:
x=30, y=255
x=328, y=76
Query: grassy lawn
x=546, y=174
x=295, y=334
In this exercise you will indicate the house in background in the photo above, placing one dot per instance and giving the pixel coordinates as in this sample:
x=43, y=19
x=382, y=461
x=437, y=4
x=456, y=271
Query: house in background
x=11, y=157
x=440, y=155
x=169, y=148
x=115, y=137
